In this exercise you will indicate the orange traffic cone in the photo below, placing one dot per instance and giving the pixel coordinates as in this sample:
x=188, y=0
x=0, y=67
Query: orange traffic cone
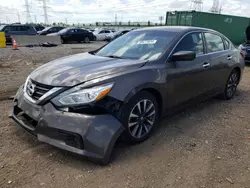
x=14, y=44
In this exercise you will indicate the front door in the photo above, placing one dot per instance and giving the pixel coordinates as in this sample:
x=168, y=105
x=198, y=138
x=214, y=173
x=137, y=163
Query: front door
x=188, y=79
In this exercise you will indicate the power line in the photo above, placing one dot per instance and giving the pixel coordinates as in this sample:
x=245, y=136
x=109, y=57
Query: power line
x=127, y=8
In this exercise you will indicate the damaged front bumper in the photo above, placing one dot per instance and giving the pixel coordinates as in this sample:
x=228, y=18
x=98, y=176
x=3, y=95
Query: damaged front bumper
x=92, y=136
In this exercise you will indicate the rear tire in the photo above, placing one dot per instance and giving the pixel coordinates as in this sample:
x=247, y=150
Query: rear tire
x=86, y=40
x=139, y=117
x=63, y=41
x=231, y=86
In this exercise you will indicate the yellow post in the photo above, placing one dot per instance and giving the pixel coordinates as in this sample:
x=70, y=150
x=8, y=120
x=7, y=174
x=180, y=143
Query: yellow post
x=2, y=40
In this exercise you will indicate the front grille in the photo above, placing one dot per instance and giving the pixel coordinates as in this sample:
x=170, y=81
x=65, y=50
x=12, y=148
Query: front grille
x=36, y=90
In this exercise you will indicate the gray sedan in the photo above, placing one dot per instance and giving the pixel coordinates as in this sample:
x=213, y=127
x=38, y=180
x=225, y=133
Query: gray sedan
x=83, y=103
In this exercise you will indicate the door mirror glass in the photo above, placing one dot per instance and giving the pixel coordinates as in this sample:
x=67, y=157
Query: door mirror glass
x=184, y=56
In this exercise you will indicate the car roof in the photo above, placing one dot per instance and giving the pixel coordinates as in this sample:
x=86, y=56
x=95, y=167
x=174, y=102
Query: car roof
x=19, y=25
x=176, y=29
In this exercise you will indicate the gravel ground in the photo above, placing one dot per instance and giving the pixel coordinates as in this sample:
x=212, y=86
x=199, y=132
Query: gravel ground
x=207, y=145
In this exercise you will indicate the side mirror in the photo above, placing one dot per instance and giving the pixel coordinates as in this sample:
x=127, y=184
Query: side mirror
x=184, y=56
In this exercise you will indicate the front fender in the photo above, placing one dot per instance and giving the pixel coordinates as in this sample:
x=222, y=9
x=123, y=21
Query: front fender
x=126, y=86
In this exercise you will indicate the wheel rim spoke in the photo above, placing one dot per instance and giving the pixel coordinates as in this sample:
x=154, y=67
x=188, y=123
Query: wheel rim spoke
x=151, y=114
x=134, y=115
x=145, y=127
x=132, y=124
x=135, y=130
x=145, y=105
x=139, y=107
x=140, y=132
x=150, y=122
x=150, y=106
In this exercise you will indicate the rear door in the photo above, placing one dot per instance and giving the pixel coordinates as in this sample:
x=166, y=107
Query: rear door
x=74, y=35
x=28, y=30
x=188, y=79
x=220, y=56
x=80, y=35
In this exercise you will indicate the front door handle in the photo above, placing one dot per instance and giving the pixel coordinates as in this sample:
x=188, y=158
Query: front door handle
x=229, y=57
x=205, y=65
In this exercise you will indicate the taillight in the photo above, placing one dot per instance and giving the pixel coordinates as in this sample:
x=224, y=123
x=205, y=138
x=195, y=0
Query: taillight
x=242, y=54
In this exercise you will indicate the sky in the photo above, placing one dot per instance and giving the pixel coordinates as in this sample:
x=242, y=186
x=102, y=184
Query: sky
x=89, y=11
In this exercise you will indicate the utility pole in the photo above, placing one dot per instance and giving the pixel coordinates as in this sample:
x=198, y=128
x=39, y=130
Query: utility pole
x=18, y=16
x=161, y=19
x=216, y=7
x=27, y=8
x=196, y=5
x=115, y=19
x=35, y=19
x=46, y=20
x=66, y=21
x=6, y=19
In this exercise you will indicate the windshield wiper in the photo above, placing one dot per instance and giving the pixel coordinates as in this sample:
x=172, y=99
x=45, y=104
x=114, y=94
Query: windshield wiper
x=114, y=56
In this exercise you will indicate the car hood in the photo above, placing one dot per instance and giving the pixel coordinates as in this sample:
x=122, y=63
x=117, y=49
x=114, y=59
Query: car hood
x=52, y=34
x=78, y=68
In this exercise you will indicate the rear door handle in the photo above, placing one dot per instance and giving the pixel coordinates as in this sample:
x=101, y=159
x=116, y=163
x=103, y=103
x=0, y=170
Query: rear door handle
x=205, y=65
x=229, y=57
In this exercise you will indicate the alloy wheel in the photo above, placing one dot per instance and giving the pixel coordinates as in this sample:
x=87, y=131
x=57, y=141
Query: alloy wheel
x=142, y=118
x=86, y=40
x=232, y=84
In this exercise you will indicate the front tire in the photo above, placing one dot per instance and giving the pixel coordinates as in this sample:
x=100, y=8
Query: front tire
x=232, y=84
x=139, y=116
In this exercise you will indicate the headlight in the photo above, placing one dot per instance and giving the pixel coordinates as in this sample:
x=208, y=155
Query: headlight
x=78, y=95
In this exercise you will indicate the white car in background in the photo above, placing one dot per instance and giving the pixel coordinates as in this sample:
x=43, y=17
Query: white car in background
x=101, y=34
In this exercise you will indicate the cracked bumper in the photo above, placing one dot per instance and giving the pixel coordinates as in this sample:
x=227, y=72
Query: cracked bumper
x=92, y=136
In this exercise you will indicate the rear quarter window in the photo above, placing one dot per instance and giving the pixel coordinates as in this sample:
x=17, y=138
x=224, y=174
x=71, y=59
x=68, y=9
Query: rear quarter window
x=227, y=44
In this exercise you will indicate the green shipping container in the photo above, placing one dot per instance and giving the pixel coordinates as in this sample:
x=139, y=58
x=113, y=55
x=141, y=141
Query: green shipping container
x=231, y=26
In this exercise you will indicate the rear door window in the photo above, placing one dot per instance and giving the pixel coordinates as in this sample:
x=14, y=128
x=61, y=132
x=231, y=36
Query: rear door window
x=214, y=43
x=24, y=28
x=191, y=42
x=15, y=28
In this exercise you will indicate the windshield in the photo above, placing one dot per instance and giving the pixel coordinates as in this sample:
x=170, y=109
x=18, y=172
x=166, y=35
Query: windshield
x=143, y=45
x=46, y=29
x=1, y=27
x=63, y=30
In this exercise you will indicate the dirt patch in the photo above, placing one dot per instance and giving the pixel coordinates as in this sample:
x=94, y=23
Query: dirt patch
x=15, y=66
x=204, y=146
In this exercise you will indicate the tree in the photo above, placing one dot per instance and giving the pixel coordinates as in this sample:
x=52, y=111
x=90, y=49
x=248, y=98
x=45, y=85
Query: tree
x=54, y=24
